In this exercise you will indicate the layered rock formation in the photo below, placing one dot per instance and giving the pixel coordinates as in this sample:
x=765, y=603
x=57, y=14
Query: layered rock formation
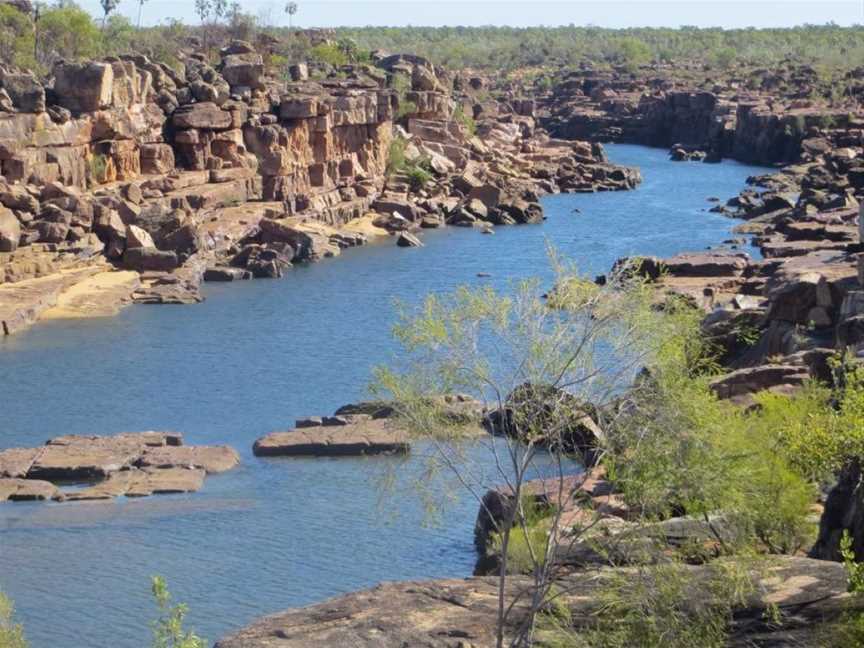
x=751, y=115
x=225, y=173
x=130, y=464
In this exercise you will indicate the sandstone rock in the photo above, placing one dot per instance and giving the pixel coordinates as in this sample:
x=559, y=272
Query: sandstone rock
x=407, y=239
x=138, y=238
x=10, y=231
x=83, y=87
x=203, y=116
x=744, y=382
x=709, y=264
x=149, y=259
x=16, y=462
x=140, y=483
x=243, y=69
x=462, y=613
x=363, y=438
x=26, y=490
x=25, y=91
x=212, y=459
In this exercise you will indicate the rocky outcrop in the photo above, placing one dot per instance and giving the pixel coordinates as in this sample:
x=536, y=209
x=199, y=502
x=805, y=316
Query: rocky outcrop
x=224, y=171
x=458, y=613
x=336, y=436
x=130, y=464
x=702, y=114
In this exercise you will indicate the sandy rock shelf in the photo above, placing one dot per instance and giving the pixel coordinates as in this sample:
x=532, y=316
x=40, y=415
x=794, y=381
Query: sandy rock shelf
x=74, y=468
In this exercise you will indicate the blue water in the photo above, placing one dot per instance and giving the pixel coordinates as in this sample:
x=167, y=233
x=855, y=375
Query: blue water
x=278, y=533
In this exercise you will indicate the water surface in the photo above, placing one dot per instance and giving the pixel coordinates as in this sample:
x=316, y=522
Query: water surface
x=278, y=533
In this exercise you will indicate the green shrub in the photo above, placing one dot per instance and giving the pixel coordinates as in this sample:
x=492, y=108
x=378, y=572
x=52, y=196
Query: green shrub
x=168, y=629
x=67, y=32
x=11, y=633
x=466, y=120
x=16, y=38
x=330, y=54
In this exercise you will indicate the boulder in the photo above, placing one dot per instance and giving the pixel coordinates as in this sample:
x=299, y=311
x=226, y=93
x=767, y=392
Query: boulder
x=707, y=264
x=138, y=238
x=246, y=70
x=26, y=490
x=24, y=90
x=406, y=239
x=149, y=259
x=83, y=87
x=744, y=382
x=203, y=116
x=10, y=231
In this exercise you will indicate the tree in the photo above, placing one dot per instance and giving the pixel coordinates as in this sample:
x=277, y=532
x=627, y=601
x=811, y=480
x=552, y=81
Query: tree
x=16, y=37
x=107, y=7
x=545, y=371
x=291, y=9
x=140, y=11
x=66, y=32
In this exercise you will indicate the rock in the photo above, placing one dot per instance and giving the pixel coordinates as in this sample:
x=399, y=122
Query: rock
x=406, y=239
x=226, y=274
x=83, y=87
x=26, y=490
x=246, y=70
x=361, y=438
x=138, y=238
x=212, y=459
x=204, y=116
x=16, y=462
x=708, y=264
x=140, y=483
x=24, y=90
x=10, y=231
x=149, y=259
x=298, y=72
x=744, y=382
x=462, y=612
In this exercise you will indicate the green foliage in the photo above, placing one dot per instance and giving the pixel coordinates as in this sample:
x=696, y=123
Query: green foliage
x=663, y=606
x=16, y=38
x=854, y=569
x=11, y=633
x=417, y=171
x=98, y=166
x=466, y=120
x=633, y=52
x=681, y=449
x=168, y=629
x=330, y=54
x=67, y=32
x=723, y=57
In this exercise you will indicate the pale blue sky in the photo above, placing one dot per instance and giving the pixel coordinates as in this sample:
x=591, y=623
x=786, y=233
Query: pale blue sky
x=603, y=13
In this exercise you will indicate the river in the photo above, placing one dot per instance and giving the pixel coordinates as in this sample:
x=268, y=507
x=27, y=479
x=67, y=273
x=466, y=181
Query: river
x=254, y=356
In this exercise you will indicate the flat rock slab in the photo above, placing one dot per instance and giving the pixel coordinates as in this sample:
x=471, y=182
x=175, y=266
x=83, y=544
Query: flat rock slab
x=141, y=483
x=366, y=437
x=450, y=613
x=26, y=490
x=212, y=459
x=130, y=464
x=72, y=457
x=16, y=462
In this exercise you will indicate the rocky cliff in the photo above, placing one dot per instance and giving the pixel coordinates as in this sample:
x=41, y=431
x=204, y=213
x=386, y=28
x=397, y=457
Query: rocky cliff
x=220, y=171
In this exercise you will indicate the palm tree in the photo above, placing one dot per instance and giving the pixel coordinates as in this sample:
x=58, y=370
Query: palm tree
x=291, y=9
x=140, y=9
x=108, y=6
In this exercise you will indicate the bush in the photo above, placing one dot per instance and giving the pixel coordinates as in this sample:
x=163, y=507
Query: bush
x=330, y=54
x=67, y=32
x=168, y=629
x=11, y=633
x=16, y=38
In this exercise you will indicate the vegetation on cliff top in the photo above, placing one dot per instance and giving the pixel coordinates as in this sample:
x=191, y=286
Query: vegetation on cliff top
x=63, y=30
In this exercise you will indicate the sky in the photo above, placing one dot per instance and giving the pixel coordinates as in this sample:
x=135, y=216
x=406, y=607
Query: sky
x=602, y=13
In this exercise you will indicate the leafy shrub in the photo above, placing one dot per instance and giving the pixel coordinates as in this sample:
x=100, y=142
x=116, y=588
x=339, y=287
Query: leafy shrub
x=11, y=633
x=330, y=54
x=16, y=38
x=466, y=120
x=168, y=629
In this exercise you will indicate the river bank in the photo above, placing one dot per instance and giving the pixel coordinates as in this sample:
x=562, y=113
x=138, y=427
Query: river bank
x=153, y=367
